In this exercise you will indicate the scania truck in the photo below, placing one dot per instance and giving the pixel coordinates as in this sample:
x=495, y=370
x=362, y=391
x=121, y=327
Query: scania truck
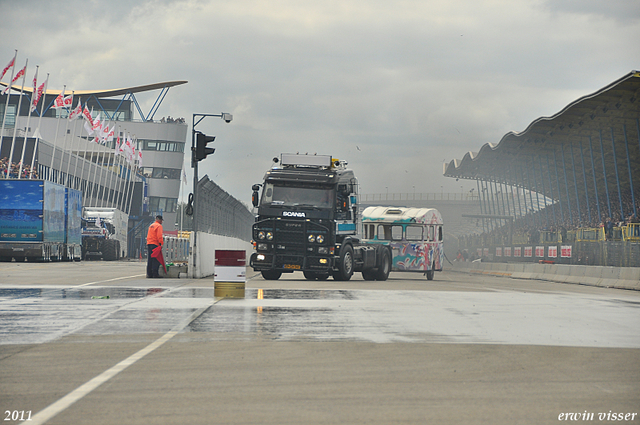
x=307, y=221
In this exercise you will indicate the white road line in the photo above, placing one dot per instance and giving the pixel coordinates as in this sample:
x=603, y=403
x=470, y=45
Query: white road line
x=77, y=394
x=108, y=280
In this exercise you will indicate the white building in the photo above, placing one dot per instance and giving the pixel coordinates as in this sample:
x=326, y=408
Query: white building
x=95, y=169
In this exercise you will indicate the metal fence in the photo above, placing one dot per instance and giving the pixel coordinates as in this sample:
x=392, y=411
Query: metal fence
x=175, y=249
x=219, y=213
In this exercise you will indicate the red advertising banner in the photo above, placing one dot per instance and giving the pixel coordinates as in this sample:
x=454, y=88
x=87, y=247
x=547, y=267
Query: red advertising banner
x=507, y=251
x=498, y=251
x=552, y=251
x=528, y=251
x=565, y=251
x=485, y=252
x=517, y=251
x=540, y=251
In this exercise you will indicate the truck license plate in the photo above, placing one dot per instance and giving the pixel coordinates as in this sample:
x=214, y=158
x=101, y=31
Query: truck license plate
x=292, y=266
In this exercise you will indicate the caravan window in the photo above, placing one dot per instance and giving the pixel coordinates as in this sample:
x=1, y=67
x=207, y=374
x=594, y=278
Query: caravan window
x=389, y=233
x=414, y=233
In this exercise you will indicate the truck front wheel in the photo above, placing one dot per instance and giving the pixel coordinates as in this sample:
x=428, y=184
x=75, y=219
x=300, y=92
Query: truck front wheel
x=271, y=274
x=345, y=266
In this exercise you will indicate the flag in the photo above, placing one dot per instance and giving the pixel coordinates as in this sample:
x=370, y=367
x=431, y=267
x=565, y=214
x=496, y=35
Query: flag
x=140, y=156
x=111, y=134
x=184, y=176
x=88, y=121
x=97, y=125
x=157, y=254
x=77, y=112
x=87, y=115
x=18, y=75
x=6, y=68
x=63, y=101
x=37, y=94
x=104, y=133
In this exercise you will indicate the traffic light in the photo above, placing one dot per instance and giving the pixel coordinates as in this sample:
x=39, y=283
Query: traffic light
x=201, y=145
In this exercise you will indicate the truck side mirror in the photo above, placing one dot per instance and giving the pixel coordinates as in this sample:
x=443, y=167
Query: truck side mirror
x=254, y=195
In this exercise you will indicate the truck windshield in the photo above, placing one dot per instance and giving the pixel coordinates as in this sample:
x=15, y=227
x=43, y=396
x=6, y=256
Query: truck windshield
x=314, y=196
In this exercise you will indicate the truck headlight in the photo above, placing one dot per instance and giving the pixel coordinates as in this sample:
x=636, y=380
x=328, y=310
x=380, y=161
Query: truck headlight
x=262, y=247
x=261, y=235
x=260, y=257
x=320, y=239
x=311, y=238
x=269, y=236
x=323, y=250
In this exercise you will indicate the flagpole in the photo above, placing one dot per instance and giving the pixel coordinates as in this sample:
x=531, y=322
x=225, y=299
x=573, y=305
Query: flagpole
x=125, y=188
x=84, y=154
x=64, y=143
x=93, y=148
x=84, y=162
x=132, y=180
x=125, y=201
x=37, y=136
x=111, y=155
x=123, y=171
x=26, y=130
x=55, y=140
x=116, y=163
x=6, y=106
x=73, y=141
x=15, y=126
x=101, y=172
x=73, y=138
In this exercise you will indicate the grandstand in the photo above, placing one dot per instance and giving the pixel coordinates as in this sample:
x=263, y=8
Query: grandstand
x=572, y=174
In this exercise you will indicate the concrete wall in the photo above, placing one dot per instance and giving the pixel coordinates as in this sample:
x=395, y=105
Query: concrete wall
x=206, y=252
x=609, y=277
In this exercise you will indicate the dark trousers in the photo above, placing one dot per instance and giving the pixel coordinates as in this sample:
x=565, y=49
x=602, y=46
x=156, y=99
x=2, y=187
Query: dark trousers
x=153, y=265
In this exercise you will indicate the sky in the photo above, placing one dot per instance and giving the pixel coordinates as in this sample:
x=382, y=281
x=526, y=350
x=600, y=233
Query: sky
x=395, y=88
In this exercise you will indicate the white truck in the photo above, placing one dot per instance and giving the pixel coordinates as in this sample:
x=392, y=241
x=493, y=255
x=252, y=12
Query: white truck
x=104, y=233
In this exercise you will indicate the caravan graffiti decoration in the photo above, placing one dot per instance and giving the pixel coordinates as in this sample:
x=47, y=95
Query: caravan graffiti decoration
x=413, y=234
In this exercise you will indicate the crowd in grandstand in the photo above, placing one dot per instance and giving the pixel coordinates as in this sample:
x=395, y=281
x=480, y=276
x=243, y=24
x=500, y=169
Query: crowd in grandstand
x=560, y=225
x=15, y=169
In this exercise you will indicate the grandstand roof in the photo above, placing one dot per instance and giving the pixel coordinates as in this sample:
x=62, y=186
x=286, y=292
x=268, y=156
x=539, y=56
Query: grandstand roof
x=583, y=130
x=107, y=92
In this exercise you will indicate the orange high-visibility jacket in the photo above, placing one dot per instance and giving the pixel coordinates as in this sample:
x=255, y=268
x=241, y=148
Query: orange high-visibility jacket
x=154, y=237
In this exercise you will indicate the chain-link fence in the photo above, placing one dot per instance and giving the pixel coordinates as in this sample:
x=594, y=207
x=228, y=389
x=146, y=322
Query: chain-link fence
x=219, y=213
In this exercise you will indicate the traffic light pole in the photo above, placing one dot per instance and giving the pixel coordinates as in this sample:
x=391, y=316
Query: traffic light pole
x=194, y=165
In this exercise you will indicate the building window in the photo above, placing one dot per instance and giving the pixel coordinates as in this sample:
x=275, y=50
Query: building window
x=159, y=145
x=157, y=204
x=161, y=173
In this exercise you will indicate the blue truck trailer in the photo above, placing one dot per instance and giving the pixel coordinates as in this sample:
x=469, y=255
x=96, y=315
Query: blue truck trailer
x=39, y=221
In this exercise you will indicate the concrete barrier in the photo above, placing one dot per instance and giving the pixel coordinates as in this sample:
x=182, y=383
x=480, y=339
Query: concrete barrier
x=608, y=277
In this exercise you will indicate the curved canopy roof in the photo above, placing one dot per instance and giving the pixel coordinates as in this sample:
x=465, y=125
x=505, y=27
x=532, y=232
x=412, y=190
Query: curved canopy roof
x=595, y=137
x=108, y=92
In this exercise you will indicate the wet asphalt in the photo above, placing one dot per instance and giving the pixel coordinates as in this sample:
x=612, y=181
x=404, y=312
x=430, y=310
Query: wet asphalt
x=461, y=348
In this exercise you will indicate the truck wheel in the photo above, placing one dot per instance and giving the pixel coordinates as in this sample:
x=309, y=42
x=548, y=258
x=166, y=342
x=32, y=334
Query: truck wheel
x=385, y=266
x=345, y=268
x=368, y=274
x=431, y=272
x=108, y=248
x=271, y=274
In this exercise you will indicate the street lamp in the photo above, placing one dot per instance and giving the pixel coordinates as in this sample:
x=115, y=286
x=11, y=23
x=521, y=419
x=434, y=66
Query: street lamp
x=194, y=164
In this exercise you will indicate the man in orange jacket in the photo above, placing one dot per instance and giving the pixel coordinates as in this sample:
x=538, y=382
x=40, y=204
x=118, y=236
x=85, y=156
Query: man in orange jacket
x=154, y=240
